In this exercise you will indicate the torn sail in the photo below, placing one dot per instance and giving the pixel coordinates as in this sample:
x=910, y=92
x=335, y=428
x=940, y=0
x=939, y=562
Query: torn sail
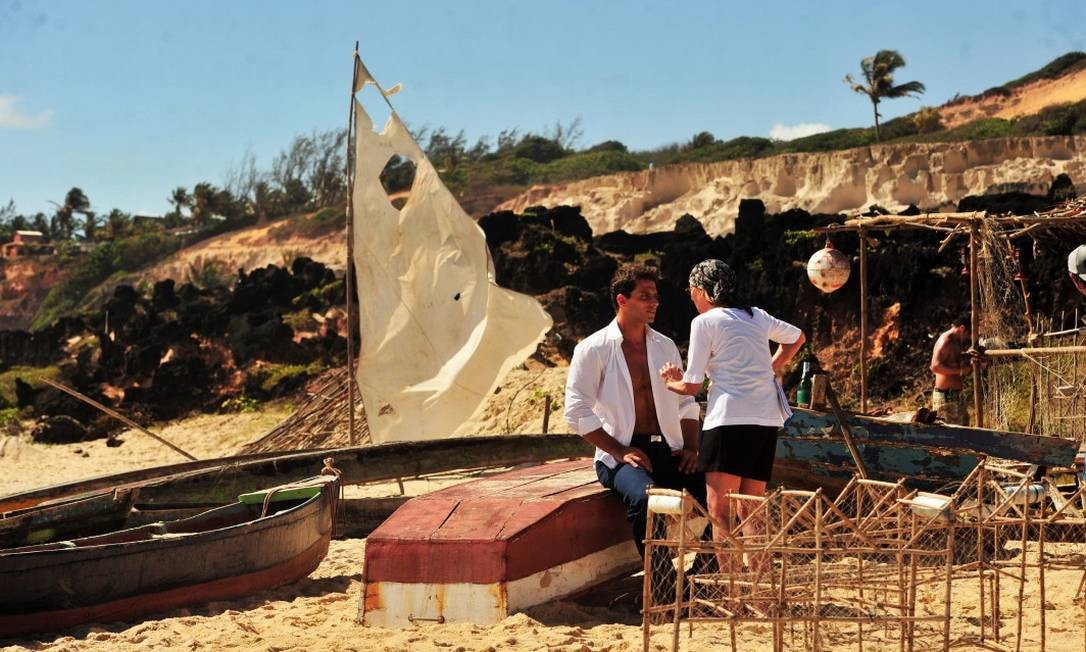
x=437, y=332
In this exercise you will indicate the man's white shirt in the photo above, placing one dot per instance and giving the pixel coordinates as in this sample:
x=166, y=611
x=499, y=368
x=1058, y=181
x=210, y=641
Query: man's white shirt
x=599, y=391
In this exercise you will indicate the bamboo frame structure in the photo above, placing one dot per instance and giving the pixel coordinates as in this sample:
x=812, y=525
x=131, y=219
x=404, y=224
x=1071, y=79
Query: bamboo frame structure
x=1071, y=215
x=877, y=568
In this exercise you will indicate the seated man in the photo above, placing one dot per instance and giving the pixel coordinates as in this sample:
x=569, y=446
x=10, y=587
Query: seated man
x=644, y=435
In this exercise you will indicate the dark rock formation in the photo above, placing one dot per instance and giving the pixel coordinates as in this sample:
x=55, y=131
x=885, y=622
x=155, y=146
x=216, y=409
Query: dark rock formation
x=59, y=429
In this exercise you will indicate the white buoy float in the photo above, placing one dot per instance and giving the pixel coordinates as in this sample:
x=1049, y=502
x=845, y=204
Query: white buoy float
x=828, y=269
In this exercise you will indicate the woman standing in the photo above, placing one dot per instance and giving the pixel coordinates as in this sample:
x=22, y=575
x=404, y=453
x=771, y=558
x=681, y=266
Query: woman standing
x=729, y=343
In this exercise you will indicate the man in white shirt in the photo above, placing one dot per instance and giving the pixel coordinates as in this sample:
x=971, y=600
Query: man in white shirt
x=644, y=434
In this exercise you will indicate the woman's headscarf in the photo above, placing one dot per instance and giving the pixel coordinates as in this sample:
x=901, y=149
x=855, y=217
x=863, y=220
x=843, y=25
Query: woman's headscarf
x=718, y=280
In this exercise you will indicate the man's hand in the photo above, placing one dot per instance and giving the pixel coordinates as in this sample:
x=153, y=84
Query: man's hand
x=688, y=460
x=636, y=458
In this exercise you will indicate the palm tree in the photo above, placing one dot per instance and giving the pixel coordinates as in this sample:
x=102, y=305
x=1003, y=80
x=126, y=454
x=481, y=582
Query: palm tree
x=75, y=201
x=203, y=196
x=879, y=74
x=180, y=199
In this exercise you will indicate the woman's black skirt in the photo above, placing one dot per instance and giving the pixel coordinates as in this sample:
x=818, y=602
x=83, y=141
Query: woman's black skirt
x=743, y=450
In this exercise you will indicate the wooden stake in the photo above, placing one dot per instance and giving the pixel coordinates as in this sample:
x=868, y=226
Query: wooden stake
x=680, y=575
x=846, y=434
x=1041, y=571
x=863, y=322
x=123, y=419
x=974, y=310
x=546, y=413
x=646, y=585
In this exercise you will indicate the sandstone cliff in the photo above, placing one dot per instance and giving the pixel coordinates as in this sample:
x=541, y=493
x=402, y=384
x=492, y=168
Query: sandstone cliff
x=24, y=282
x=933, y=176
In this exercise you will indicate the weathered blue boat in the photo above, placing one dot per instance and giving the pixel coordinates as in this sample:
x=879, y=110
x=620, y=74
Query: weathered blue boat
x=810, y=452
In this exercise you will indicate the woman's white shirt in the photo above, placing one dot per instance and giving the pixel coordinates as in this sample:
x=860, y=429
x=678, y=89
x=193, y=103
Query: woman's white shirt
x=732, y=347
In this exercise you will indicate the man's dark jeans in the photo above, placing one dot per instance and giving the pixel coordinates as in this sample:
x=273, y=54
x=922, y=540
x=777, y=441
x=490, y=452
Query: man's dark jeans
x=632, y=483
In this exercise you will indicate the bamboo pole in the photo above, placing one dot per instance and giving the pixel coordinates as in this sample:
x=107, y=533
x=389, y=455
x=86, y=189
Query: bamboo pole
x=846, y=434
x=680, y=575
x=646, y=585
x=1030, y=352
x=116, y=415
x=974, y=310
x=863, y=322
x=349, y=273
x=1041, y=570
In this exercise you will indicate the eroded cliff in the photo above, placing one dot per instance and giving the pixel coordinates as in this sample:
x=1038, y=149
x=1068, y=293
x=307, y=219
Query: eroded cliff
x=933, y=176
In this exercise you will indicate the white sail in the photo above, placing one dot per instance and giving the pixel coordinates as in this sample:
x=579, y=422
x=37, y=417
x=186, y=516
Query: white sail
x=437, y=332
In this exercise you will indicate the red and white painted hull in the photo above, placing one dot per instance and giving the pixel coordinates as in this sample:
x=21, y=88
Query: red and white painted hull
x=480, y=551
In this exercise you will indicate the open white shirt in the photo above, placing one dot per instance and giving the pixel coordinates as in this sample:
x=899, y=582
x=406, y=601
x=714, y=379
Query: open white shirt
x=599, y=391
x=733, y=348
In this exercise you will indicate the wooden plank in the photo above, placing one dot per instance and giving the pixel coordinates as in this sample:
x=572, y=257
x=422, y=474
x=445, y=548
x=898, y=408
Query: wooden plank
x=480, y=519
x=417, y=519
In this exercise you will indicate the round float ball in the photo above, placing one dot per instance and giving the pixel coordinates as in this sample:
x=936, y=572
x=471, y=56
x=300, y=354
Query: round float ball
x=828, y=269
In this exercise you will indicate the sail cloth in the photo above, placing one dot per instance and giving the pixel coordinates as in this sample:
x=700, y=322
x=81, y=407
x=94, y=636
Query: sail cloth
x=437, y=332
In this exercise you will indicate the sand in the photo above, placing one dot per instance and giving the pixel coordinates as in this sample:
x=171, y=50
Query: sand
x=319, y=612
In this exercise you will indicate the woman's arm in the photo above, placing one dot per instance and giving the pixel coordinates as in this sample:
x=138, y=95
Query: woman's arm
x=673, y=380
x=785, y=353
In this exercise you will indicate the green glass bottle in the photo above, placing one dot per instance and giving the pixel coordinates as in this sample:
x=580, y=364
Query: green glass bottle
x=803, y=393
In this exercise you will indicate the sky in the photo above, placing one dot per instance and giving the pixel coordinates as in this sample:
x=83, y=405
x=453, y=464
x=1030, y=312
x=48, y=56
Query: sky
x=128, y=99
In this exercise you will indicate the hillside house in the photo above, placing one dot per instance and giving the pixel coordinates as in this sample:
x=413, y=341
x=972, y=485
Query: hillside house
x=26, y=243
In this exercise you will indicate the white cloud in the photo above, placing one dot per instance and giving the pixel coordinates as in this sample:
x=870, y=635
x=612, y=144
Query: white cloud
x=12, y=118
x=791, y=132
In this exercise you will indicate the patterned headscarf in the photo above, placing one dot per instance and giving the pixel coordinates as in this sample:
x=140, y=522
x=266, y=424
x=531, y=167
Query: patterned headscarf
x=718, y=280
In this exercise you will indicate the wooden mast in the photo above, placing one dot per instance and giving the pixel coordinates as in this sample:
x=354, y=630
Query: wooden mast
x=349, y=272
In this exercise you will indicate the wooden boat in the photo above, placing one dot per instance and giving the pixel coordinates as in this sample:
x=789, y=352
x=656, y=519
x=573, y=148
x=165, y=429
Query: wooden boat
x=219, y=481
x=479, y=551
x=265, y=539
x=810, y=454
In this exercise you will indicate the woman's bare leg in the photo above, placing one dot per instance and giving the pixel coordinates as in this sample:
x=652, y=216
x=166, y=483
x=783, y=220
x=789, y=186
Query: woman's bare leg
x=757, y=563
x=717, y=487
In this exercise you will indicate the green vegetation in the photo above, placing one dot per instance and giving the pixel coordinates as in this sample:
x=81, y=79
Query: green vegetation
x=241, y=403
x=1058, y=67
x=332, y=219
x=29, y=375
x=269, y=381
x=8, y=415
x=104, y=261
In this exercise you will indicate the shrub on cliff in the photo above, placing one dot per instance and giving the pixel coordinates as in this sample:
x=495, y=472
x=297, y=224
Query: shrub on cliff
x=106, y=260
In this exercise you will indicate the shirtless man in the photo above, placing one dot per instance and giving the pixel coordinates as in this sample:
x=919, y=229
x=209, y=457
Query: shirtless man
x=950, y=360
x=644, y=434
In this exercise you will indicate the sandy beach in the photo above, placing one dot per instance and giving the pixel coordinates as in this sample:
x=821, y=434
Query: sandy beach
x=319, y=612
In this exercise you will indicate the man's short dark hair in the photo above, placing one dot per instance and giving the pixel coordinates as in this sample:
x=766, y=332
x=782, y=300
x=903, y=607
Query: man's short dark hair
x=626, y=277
x=963, y=318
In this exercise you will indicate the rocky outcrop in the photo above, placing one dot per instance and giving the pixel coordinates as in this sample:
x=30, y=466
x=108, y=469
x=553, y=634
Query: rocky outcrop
x=933, y=176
